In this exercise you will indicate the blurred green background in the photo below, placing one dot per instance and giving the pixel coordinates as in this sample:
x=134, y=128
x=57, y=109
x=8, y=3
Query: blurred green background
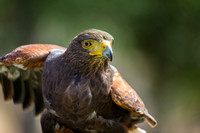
x=157, y=50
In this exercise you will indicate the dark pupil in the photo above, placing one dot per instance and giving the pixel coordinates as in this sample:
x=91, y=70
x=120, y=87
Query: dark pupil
x=86, y=43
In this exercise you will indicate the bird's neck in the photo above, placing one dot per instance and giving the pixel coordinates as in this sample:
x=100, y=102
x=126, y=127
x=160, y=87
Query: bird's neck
x=78, y=64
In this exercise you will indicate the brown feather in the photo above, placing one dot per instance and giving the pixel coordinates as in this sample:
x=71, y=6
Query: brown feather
x=30, y=56
x=64, y=130
x=24, y=86
x=82, y=84
x=7, y=85
x=126, y=97
x=19, y=91
x=28, y=94
x=80, y=91
x=38, y=98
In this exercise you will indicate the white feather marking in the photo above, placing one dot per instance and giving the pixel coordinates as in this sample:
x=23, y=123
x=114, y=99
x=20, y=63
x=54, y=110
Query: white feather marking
x=135, y=97
x=3, y=69
x=20, y=66
x=57, y=126
x=130, y=91
x=53, y=112
x=138, y=130
x=114, y=68
x=92, y=115
x=47, y=103
x=11, y=73
x=66, y=91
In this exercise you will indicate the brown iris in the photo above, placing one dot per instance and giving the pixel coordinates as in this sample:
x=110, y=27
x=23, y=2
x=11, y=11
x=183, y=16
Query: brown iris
x=86, y=44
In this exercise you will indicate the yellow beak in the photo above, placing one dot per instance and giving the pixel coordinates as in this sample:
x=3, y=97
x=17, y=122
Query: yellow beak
x=102, y=50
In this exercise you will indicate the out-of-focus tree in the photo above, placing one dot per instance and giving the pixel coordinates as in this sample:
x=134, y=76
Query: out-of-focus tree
x=156, y=48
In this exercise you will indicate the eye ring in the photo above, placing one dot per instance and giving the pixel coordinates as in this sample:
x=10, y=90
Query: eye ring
x=86, y=44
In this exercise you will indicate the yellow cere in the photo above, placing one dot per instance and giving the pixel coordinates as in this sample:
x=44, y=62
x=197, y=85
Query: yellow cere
x=94, y=47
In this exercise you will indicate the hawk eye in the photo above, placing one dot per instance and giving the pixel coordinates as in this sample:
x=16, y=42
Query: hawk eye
x=86, y=44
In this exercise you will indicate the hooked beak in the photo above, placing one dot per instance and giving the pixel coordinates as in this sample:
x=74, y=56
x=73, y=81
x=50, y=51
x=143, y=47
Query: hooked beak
x=107, y=53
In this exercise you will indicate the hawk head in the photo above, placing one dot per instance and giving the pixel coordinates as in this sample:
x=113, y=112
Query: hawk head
x=93, y=44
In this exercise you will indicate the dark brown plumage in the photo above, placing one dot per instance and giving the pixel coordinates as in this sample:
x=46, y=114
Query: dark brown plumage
x=81, y=90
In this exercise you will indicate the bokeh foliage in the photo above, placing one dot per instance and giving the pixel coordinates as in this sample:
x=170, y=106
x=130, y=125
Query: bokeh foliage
x=162, y=36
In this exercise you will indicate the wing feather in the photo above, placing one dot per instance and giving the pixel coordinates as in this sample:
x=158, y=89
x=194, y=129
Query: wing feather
x=21, y=73
x=19, y=94
x=7, y=86
x=126, y=97
x=30, y=56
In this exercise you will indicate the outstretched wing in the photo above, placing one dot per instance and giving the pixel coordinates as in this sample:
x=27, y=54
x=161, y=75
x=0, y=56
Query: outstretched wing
x=20, y=74
x=126, y=97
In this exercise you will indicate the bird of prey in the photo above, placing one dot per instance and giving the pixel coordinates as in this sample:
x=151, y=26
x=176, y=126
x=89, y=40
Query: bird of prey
x=81, y=91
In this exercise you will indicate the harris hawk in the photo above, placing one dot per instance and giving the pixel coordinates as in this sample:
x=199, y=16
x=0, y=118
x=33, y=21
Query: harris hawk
x=80, y=89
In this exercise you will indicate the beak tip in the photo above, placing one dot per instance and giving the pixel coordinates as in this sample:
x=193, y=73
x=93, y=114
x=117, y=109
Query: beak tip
x=108, y=53
x=109, y=56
